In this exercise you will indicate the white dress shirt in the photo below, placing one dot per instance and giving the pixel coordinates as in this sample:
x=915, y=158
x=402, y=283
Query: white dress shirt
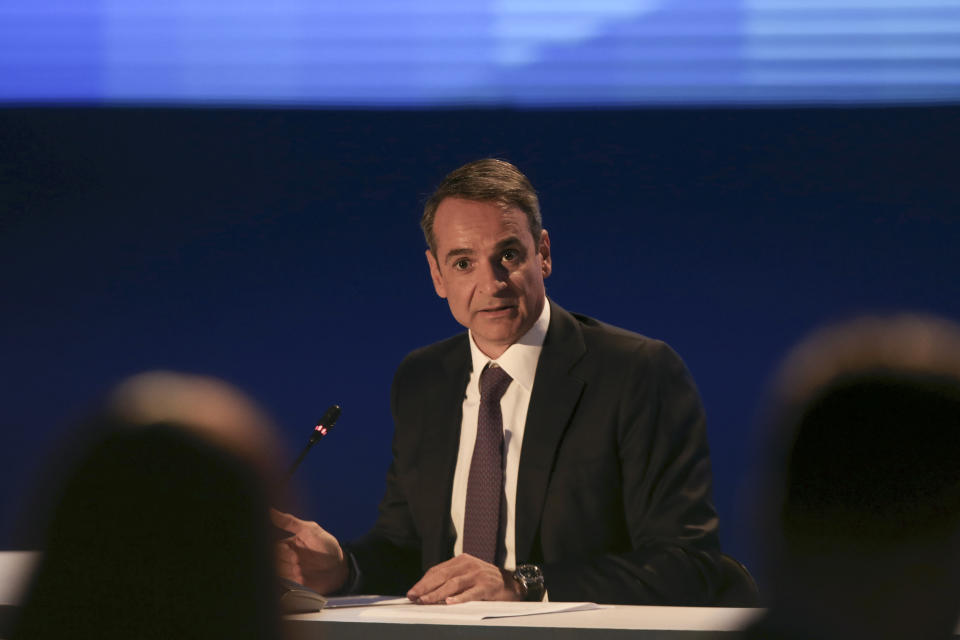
x=520, y=362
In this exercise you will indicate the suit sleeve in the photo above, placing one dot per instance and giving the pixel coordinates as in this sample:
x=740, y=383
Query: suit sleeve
x=389, y=555
x=672, y=548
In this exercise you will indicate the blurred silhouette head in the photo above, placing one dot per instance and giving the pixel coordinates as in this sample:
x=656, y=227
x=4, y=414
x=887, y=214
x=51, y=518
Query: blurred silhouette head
x=160, y=529
x=863, y=509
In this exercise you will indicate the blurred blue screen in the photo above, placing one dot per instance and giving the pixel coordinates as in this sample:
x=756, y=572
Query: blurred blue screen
x=428, y=53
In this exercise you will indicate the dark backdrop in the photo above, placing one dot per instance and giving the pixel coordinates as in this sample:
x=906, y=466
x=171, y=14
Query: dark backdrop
x=280, y=250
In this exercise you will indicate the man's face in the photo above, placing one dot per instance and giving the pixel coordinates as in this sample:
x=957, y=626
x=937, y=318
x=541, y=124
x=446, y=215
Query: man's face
x=490, y=270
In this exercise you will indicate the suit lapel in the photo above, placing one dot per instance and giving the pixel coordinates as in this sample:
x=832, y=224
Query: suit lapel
x=442, y=415
x=555, y=395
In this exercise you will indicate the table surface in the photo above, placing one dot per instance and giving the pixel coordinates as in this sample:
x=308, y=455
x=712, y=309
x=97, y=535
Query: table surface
x=609, y=617
x=609, y=623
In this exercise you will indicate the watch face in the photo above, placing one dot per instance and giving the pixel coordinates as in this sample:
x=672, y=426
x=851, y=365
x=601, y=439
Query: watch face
x=530, y=576
x=528, y=571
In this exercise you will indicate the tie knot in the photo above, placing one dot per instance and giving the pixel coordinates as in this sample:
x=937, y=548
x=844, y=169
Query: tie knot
x=493, y=383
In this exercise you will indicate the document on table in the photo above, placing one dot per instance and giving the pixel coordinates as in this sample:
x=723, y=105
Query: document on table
x=472, y=611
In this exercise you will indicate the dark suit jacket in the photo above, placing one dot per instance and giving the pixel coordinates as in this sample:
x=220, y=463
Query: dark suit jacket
x=614, y=487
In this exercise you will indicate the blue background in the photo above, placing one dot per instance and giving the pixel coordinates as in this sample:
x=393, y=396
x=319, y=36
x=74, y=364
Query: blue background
x=492, y=52
x=280, y=249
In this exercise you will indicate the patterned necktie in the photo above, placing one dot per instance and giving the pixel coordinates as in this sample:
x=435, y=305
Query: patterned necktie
x=483, y=517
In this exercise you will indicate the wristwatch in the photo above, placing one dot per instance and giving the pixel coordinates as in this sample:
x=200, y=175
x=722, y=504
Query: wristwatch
x=531, y=581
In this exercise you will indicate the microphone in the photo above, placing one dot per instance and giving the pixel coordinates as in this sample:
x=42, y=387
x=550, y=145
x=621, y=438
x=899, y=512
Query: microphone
x=322, y=428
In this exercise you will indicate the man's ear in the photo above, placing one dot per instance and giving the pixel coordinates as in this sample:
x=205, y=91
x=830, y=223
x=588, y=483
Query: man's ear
x=438, y=285
x=543, y=249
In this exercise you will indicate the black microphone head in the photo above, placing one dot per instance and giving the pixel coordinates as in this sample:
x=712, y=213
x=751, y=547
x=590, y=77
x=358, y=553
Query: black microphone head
x=325, y=423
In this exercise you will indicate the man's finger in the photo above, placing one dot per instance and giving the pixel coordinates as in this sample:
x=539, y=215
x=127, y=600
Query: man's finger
x=433, y=578
x=448, y=588
x=295, y=543
x=476, y=592
x=286, y=559
x=285, y=553
x=286, y=521
x=291, y=572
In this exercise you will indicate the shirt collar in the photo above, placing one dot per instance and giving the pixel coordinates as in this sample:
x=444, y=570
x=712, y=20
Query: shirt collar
x=520, y=359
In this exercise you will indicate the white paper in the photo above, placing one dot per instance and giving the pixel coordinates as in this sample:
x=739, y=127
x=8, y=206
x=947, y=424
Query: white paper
x=473, y=611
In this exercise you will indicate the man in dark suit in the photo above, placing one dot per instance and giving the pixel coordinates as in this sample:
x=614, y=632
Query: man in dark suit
x=601, y=482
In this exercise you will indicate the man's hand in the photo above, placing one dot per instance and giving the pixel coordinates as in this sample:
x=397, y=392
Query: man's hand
x=311, y=556
x=463, y=579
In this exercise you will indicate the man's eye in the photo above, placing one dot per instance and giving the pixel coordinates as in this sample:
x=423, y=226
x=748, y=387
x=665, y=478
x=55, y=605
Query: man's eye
x=510, y=255
x=461, y=265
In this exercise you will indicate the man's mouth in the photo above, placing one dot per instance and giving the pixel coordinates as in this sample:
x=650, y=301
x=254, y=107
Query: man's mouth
x=498, y=308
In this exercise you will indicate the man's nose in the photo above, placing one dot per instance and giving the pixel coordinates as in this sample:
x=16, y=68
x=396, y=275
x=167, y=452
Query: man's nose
x=493, y=278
